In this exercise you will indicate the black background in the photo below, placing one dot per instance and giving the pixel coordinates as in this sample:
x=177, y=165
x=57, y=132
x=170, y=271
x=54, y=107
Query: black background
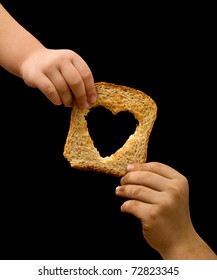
x=51, y=211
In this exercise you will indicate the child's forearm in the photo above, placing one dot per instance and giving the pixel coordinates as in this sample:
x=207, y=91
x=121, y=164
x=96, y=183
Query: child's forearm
x=16, y=43
x=193, y=249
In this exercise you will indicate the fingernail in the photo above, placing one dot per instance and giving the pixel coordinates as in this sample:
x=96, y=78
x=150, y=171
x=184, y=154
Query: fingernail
x=84, y=105
x=92, y=99
x=130, y=167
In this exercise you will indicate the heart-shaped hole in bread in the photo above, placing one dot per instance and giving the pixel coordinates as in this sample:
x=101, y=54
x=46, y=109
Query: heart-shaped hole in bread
x=109, y=132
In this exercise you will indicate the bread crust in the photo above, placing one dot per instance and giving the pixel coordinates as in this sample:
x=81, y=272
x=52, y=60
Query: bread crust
x=79, y=148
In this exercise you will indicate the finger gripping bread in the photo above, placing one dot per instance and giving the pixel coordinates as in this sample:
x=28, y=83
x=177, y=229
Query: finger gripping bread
x=79, y=148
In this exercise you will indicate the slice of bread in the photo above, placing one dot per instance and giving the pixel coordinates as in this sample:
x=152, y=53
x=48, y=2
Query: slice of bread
x=79, y=148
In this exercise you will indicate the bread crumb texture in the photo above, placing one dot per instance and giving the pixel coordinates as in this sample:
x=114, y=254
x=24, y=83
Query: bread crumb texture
x=79, y=148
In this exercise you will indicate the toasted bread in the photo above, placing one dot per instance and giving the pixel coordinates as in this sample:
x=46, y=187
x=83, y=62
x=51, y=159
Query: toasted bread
x=79, y=148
